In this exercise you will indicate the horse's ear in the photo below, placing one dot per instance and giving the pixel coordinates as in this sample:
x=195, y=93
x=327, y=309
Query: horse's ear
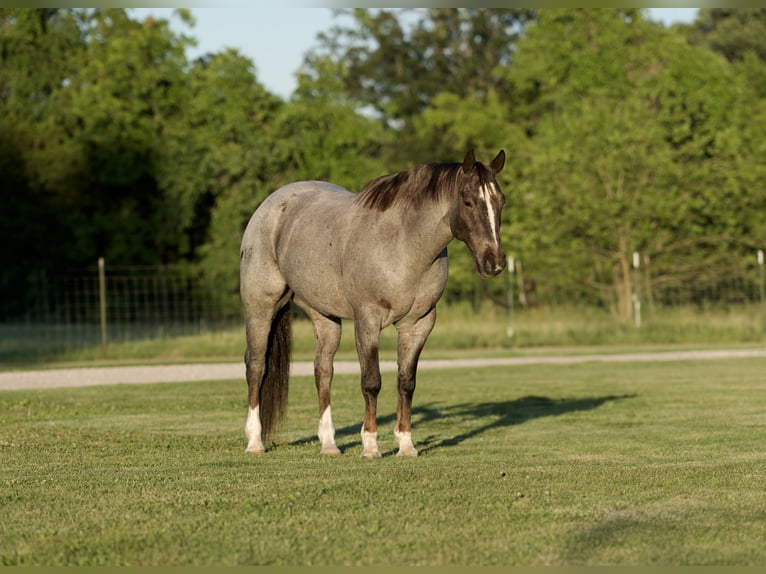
x=468, y=161
x=497, y=164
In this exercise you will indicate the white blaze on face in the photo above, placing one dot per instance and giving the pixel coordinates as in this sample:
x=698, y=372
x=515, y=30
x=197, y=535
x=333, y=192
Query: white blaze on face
x=486, y=192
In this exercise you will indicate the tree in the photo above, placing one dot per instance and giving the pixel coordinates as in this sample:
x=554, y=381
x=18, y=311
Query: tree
x=35, y=64
x=221, y=143
x=127, y=90
x=740, y=36
x=632, y=150
x=40, y=40
x=732, y=32
x=219, y=162
x=322, y=135
x=398, y=68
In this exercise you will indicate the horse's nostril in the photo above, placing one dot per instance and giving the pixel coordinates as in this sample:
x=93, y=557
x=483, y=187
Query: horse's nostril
x=491, y=266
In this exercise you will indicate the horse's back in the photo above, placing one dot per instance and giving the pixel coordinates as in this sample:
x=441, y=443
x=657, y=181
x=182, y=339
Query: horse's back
x=290, y=204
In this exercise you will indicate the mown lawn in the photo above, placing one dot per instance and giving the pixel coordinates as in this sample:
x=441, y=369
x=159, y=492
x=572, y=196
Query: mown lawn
x=591, y=464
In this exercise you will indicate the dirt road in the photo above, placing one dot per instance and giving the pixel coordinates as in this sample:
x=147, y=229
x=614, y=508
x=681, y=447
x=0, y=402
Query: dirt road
x=82, y=377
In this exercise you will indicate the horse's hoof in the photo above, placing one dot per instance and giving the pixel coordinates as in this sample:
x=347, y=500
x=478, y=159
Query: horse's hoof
x=255, y=450
x=411, y=452
x=404, y=440
x=331, y=451
x=371, y=455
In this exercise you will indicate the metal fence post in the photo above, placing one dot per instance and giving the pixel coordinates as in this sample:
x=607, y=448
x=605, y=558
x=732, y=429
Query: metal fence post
x=102, y=303
x=763, y=291
x=636, y=289
x=511, y=270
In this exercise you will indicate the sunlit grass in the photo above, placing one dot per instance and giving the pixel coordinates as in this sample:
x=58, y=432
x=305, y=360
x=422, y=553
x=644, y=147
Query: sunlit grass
x=589, y=464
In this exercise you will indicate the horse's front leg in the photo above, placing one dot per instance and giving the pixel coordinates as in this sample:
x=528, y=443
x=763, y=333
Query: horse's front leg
x=367, y=337
x=412, y=338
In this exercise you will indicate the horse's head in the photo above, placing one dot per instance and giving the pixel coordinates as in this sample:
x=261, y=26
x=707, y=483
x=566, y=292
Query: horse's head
x=475, y=215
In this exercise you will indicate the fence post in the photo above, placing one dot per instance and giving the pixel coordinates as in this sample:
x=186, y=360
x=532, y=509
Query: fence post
x=763, y=291
x=102, y=303
x=636, y=289
x=511, y=269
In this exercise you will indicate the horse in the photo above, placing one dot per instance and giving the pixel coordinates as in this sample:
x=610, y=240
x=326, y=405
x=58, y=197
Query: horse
x=377, y=257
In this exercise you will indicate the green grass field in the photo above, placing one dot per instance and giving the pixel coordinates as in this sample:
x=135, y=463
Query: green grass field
x=591, y=464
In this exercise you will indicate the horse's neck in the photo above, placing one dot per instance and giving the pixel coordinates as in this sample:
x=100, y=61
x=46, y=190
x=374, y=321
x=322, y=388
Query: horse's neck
x=425, y=232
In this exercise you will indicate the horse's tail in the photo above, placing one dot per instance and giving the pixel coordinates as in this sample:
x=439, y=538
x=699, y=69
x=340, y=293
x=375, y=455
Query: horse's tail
x=273, y=395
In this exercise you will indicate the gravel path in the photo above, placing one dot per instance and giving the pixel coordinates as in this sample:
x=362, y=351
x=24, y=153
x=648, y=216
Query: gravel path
x=83, y=377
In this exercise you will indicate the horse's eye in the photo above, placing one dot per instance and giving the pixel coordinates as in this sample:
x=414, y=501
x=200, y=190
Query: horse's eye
x=468, y=203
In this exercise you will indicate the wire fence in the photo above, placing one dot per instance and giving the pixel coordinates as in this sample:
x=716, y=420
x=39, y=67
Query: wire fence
x=117, y=305
x=107, y=306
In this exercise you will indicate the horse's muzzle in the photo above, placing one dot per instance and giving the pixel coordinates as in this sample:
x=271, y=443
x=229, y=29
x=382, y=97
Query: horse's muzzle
x=492, y=264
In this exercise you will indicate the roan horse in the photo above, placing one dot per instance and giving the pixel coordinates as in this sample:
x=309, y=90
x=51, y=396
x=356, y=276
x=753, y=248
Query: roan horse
x=378, y=257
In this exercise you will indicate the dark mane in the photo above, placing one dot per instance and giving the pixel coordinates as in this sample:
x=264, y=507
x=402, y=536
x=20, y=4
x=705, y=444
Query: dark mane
x=409, y=188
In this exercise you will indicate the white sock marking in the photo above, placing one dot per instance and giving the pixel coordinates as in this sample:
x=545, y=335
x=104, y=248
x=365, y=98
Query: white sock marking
x=369, y=444
x=404, y=439
x=326, y=431
x=253, y=430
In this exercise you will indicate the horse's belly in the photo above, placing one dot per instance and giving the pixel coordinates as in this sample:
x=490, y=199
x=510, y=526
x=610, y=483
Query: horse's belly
x=310, y=260
x=320, y=291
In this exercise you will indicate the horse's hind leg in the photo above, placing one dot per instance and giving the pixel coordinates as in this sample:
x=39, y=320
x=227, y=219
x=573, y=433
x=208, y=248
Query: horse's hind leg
x=265, y=296
x=327, y=333
x=412, y=338
x=265, y=317
x=257, y=330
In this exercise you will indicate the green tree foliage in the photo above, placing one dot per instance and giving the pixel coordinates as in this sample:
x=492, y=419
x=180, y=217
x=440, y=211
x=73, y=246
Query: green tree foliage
x=127, y=88
x=216, y=161
x=732, y=32
x=35, y=153
x=398, y=61
x=621, y=136
x=321, y=136
x=634, y=149
x=740, y=36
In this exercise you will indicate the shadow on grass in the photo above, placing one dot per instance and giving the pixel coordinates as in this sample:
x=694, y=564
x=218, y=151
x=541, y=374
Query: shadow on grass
x=490, y=416
x=503, y=414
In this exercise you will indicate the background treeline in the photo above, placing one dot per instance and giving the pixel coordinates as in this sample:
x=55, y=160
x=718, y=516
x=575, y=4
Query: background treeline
x=622, y=135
